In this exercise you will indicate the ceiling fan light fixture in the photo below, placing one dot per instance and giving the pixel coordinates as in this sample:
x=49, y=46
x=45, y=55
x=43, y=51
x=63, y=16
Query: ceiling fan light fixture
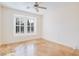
x=36, y=5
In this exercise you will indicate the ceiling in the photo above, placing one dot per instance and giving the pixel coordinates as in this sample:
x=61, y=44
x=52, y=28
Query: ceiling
x=29, y=6
x=25, y=6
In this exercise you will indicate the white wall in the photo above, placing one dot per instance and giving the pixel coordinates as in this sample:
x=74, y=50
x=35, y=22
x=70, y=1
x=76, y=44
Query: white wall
x=61, y=23
x=8, y=25
x=0, y=24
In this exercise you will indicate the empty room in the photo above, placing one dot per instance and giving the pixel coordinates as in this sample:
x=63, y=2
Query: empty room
x=39, y=28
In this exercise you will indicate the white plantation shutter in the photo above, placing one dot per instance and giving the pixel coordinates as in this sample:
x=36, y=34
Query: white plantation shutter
x=24, y=25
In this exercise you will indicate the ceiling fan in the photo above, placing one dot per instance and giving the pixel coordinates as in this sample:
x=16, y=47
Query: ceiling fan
x=37, y=6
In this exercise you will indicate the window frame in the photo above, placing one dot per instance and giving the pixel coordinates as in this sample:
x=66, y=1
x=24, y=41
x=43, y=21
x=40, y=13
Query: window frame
x=25, y=27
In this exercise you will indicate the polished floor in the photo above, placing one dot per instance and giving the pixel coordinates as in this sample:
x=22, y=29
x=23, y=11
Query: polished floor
x=36, y=47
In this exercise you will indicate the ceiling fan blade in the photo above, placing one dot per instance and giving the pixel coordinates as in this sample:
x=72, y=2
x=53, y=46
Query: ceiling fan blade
x=42, y=7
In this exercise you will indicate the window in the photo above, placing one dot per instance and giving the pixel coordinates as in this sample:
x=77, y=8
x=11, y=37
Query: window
x=19, y=26
x=25, y=25
x=30, y=26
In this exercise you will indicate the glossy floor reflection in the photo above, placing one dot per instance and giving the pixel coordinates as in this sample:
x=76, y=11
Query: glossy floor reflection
x=37, y=47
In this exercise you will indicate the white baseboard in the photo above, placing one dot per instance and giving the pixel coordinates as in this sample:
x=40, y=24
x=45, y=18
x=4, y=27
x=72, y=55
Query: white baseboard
x=59, y=42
